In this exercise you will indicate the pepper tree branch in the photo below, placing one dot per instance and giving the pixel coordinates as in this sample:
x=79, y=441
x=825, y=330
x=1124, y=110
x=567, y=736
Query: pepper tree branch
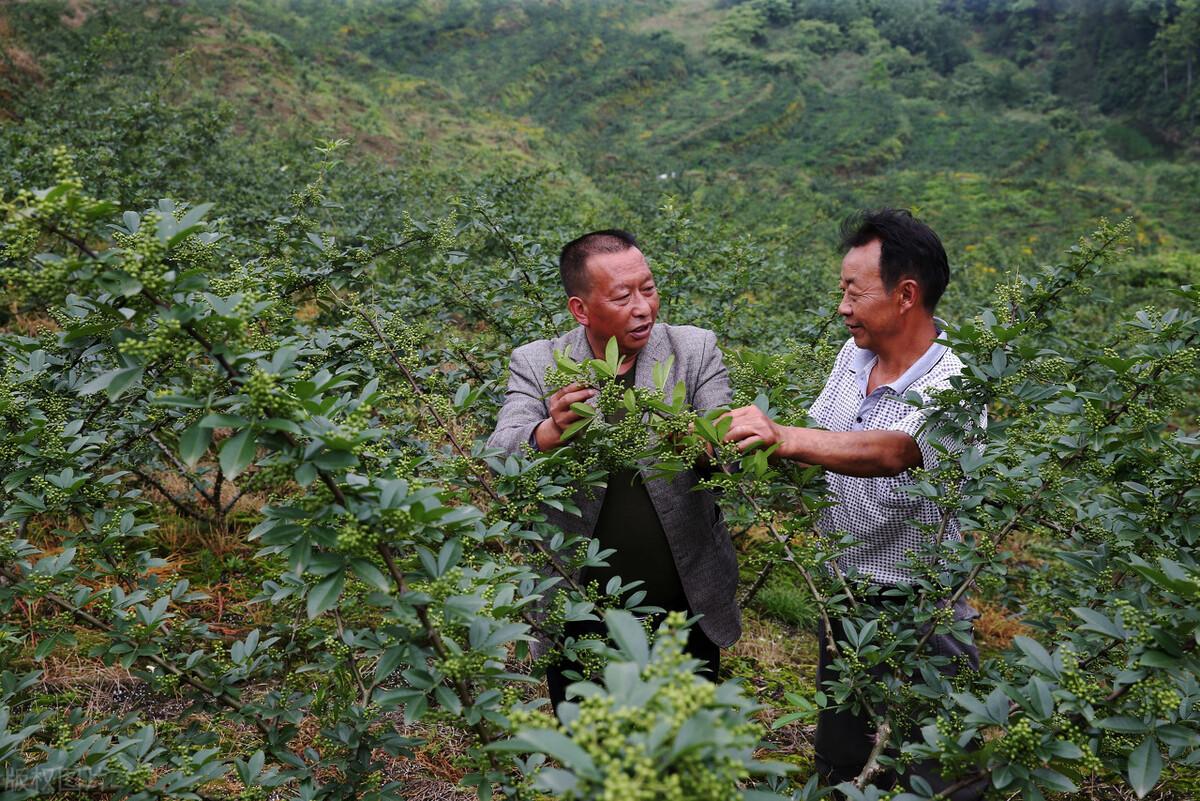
x=83, y=615
x=384, y=550
x=482, y=478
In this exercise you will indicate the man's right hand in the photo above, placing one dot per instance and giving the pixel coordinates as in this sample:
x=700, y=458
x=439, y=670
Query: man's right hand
x=549, y=431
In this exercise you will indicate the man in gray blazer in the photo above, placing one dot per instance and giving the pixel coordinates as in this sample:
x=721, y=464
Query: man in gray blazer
x=665, y=534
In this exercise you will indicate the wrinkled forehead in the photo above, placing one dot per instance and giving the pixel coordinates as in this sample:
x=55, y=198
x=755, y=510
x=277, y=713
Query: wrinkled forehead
x=628, y=266
x=860, y=265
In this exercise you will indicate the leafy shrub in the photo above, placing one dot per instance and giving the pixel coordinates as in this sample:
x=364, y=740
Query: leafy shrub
x=652, y=729
x=405, y=572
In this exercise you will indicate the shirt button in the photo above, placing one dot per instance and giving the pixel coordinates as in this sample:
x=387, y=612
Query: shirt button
x=860, y=419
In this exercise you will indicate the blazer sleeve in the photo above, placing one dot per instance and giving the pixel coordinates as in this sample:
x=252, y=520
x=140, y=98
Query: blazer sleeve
x=524, y=407
x=712, y=387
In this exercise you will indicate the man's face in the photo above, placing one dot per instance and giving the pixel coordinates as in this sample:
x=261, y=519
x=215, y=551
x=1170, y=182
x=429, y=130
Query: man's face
x=870, y=312
x=621, y=300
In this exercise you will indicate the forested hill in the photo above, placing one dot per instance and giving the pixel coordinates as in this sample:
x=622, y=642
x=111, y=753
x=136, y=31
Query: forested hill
x=1011, y=124
x=263, y=265
x=818, y=104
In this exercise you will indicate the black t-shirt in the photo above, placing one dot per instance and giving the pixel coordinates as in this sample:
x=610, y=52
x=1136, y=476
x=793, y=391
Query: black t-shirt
x=629, y=523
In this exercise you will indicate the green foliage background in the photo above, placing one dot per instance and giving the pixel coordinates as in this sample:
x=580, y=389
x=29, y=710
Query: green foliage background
x=337, y=321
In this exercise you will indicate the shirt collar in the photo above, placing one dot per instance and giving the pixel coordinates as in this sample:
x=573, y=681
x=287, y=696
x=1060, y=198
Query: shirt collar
x=864, y=361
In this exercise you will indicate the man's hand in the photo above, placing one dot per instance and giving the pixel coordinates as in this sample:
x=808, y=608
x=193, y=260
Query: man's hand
x=549, y=431
x=867, y=454
x=751, y=426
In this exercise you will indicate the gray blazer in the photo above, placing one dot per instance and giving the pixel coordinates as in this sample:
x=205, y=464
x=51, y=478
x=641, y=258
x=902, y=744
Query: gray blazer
x=695, y=529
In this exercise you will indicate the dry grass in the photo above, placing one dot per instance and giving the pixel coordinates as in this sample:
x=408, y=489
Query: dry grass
x=179, y=486
x=21, y=60
x=183, y=535
x=78, y=13
x=774, y=645
x=308, y=311
x=780, y=659
x=996, y=626
x=179, y=534
x=71, y=670
x=28, y=323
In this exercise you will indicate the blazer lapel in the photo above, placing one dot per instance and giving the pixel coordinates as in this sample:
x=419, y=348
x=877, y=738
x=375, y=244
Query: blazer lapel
x=577, y=341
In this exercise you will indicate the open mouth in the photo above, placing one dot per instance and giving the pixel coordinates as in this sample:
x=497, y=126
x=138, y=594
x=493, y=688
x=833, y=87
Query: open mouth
x=641, y=331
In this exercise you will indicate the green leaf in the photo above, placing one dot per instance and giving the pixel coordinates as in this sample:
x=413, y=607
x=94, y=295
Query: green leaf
x=114, y=381
x=1040, y=697
x=218, y=420
x=1158, y=659
x=695, y=732
x=564, y=362
x=662, y=371
x=189, y=223
x=460, y=397
x=255, y=764
x=612, y=354
x=237, y=453
x=193, y=443
x=997, y=706
x=335, y=460
x=371, y=574
x=119, y=283
x=46, y=645
x=1039, y=658
x=583, y=410
x=280, y=424
x=1065, y=749
x=123, y=380
x=679, y=394
x=1123, y=723
x=971, y=460
x=1094, y=621
x=1053, y=780
x=1181, y=584
x=575, y=428
x=1176, y=736
x=790, y=717
x=556, y=744
x=993, y=712
x=388, y=662
x=628, y=635
x=708, y=431
x=557, y=781
x=1145, y=766
x=326, y=594
x=306, y=474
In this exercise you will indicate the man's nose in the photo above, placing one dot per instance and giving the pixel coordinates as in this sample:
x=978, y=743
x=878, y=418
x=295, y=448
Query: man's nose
x=641, y=307
x=844, y=307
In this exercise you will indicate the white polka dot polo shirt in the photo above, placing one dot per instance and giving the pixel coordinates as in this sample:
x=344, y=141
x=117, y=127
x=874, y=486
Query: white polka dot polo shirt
x=882, y=517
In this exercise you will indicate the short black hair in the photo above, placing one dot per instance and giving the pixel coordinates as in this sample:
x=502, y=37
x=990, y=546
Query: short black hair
x=909, y=249
x=572, y=261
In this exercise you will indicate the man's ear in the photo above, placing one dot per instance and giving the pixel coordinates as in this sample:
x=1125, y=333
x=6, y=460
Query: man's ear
x=909, y=294
x=578, y=310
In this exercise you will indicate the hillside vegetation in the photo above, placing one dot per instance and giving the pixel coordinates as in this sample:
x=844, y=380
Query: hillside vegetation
x=261, y=267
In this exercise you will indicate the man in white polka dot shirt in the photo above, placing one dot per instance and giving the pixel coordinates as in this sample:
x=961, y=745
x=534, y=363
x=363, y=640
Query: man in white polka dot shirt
x=893, y=274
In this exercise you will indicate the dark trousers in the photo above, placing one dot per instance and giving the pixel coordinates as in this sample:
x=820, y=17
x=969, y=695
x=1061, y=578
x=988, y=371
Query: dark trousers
x=844, y=740
x=698, y=646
